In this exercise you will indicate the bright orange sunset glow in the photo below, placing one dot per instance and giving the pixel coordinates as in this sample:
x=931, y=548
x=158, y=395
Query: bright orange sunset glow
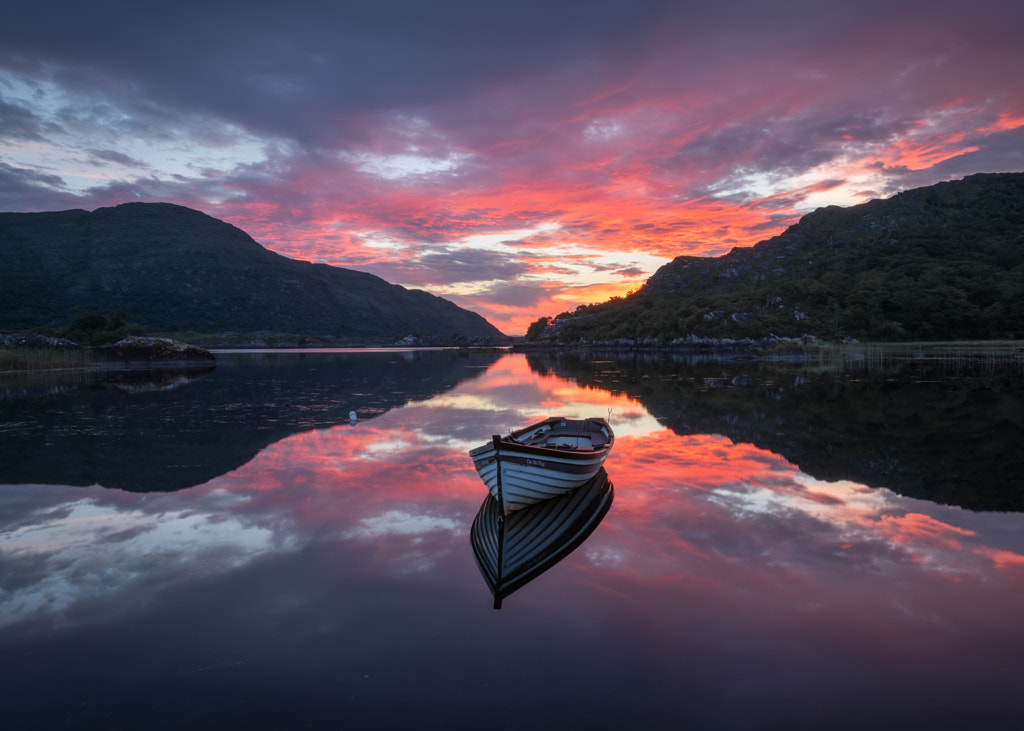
x=521, y=175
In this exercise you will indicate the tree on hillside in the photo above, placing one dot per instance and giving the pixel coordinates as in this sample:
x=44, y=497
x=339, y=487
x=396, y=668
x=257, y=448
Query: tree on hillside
x=89, y=328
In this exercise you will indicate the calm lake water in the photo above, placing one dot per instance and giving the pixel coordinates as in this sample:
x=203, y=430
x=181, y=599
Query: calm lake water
x=788, y=546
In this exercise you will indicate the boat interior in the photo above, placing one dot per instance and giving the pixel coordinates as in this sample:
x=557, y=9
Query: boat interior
x=566, y=434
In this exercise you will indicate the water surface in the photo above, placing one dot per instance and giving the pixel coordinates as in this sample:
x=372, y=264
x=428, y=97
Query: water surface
x=787, y=547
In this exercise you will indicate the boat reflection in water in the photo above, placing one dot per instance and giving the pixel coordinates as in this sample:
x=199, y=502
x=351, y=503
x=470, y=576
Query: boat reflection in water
x=513, y=550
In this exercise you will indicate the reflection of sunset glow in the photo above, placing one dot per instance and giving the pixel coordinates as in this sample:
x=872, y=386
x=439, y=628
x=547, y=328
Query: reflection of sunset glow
x=98, y=546
x=661, y=474
x=696, y=514
x=511, y=380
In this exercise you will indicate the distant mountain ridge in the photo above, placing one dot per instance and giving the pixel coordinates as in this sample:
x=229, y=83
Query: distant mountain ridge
x=174, y=269
x=936, y=263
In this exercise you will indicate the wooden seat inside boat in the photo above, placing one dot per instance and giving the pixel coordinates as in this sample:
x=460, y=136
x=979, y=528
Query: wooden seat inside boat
x=567, y=435
x=573, y=439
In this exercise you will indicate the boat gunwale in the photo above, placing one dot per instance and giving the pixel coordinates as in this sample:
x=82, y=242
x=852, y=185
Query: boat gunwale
x=510, y=443
x=538, y=471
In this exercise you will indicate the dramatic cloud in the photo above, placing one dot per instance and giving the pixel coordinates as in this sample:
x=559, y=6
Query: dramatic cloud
x=451, y=145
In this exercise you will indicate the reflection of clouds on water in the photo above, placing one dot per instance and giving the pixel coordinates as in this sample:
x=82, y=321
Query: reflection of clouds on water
x=402, y=523
x=385, y=448
x=695, y=516
x=604, y=556
x=414, y=541
x=704, y=505
x=335, y=567
x=59, y=548
x=89, y=547
x=462, y=401
x=511, y=395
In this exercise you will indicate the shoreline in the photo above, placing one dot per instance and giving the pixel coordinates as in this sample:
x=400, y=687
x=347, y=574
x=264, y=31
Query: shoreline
x=140, y=354
x=802, y=352
x=39, y=354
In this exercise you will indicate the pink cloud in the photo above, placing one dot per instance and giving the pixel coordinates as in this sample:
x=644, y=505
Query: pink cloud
x=915, y=528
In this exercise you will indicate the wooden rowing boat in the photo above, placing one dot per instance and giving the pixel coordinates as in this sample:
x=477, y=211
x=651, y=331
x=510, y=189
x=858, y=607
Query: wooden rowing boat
x=543, y=460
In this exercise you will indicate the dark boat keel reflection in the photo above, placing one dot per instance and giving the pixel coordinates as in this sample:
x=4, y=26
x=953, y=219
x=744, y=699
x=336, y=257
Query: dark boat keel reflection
x=512, y=551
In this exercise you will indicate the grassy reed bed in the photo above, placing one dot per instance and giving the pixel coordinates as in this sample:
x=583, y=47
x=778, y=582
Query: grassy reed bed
x=953, y=356
x=38, y=359
x=978, y=350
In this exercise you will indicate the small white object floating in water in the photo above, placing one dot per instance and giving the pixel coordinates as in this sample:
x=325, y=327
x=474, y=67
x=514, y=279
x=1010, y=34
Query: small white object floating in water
x=352, y=417
x=543, y=460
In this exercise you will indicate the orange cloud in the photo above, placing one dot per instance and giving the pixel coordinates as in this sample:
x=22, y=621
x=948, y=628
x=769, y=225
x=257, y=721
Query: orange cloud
x=1005, y=121
x=648, y=176
x=1002, y=559
x=915, y=528
x=914, y=154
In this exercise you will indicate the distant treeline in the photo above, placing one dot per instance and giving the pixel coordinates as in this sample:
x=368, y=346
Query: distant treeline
x=89, y=328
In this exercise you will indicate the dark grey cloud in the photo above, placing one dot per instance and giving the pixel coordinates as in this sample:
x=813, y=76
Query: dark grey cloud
x=18, y=123
x=316, y=71
x=631, y=272
x=310, y=70
x=773, y=224
x=449, y=266
x=23, y=189
x=470, y=265
x=118, y=158
x=507, y=79
x=513, y=294
x=21, y=571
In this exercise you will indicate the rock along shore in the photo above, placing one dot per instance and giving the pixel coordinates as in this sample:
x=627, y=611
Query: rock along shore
x=128, y=353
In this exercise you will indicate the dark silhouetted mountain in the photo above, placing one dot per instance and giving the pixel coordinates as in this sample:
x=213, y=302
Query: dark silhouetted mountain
x=173, y=269
x=936, y=263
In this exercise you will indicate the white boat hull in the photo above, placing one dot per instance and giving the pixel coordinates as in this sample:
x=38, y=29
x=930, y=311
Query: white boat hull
x=519, y=475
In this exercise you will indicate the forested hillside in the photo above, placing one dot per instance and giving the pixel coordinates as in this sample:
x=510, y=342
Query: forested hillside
x=936, y=263
x=173, y=269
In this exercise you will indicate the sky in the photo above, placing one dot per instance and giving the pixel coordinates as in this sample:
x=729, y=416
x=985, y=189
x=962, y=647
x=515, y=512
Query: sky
x=519, y=158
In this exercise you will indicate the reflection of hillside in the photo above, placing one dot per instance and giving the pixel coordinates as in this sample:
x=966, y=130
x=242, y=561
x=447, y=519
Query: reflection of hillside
x=919, y=429
x=164, y=440
x=25, y=384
